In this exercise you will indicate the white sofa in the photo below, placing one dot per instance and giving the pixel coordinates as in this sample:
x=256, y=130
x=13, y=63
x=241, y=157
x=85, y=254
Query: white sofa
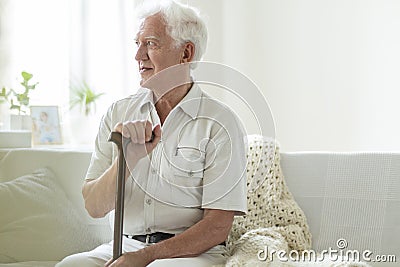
x=351, y=196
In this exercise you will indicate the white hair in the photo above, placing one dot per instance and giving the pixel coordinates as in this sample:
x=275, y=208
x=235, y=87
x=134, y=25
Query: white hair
x=184, y=23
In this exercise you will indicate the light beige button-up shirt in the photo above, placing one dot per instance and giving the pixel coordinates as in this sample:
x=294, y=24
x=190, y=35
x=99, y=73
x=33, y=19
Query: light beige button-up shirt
x=198, y=164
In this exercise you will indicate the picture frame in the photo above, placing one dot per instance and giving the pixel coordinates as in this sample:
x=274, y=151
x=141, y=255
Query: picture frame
x=46, y=128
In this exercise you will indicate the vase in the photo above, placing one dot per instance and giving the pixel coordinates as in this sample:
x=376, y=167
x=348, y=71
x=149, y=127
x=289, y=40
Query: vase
x=4, y=117
x=20, y=122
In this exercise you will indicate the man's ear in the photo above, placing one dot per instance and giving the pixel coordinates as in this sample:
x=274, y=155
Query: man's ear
x=188, y=52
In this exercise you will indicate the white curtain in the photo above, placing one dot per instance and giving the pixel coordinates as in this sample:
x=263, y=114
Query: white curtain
x=102, y=47
x=102, y=43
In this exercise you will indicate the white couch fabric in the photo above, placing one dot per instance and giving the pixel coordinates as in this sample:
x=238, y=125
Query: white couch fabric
x=43, y=217
x=34, y=220
x=355, y=196
x=350, y=196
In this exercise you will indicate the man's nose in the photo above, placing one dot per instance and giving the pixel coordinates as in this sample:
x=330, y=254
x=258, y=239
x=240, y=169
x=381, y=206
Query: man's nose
x=141, y=53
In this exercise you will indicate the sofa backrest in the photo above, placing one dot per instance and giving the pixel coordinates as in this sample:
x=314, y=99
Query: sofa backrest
x=69, y=167
x=79, y=231
x=350, y=196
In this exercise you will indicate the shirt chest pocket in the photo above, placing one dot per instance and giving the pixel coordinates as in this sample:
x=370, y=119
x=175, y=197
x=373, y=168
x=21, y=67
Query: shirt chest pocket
x=187, y=166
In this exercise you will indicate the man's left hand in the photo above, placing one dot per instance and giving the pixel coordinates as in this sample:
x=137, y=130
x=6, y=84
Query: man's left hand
x=131, y=259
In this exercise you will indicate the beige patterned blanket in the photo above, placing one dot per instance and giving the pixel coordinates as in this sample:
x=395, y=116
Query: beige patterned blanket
x=274, y=221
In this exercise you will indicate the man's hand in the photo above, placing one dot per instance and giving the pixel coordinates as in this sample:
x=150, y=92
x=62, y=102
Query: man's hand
x=131, y=259
x=140, y=133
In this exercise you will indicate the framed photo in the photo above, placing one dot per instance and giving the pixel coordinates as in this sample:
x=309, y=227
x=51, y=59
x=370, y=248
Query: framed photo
x=45, y=125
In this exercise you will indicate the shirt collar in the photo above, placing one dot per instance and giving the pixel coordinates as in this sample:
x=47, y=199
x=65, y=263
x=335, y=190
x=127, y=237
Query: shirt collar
x=147, y=97
x=190, y=104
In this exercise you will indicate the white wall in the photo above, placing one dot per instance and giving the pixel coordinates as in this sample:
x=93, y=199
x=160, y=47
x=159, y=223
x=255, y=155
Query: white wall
x=329, y=69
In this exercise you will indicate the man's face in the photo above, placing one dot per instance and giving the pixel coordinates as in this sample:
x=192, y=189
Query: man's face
x=156, y=50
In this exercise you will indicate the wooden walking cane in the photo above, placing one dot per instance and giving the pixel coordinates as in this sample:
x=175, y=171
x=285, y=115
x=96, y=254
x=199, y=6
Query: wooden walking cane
x=121, y=143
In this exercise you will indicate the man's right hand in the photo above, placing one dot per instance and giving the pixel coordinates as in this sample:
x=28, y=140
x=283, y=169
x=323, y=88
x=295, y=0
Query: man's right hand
x=140, y=134
x=99, y=194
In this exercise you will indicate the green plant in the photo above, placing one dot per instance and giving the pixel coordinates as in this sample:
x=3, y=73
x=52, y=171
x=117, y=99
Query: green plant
x=19, y=101
x=3, y=95
x=84, y=97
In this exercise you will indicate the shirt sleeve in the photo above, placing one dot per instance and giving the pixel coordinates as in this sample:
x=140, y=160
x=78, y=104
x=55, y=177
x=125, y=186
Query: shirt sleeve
x=103, y=154
x=224, y=180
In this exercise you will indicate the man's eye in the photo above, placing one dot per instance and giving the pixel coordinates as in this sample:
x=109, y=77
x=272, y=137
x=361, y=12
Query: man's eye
x=151, y=43
x=137, y=43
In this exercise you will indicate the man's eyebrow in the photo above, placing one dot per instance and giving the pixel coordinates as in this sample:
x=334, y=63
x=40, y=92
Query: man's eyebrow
x=151, y=37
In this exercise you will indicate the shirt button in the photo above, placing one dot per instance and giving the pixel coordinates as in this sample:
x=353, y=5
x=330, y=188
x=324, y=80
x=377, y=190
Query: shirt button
x=148, y=230
x=191, y=174
x=153, y=171
x=148, y=201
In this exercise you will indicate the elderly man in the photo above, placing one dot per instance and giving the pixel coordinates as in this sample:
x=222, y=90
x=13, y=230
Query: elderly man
x=186, y=158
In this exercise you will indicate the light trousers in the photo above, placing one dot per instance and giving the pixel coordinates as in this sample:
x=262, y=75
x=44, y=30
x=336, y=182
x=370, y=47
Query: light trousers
x=100, y=255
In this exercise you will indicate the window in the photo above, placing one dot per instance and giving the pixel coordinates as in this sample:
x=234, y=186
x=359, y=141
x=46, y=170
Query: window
x=63, y=42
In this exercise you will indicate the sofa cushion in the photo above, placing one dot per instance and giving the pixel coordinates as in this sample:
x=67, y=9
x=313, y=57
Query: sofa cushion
x=68, y=166
x=37, y=222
